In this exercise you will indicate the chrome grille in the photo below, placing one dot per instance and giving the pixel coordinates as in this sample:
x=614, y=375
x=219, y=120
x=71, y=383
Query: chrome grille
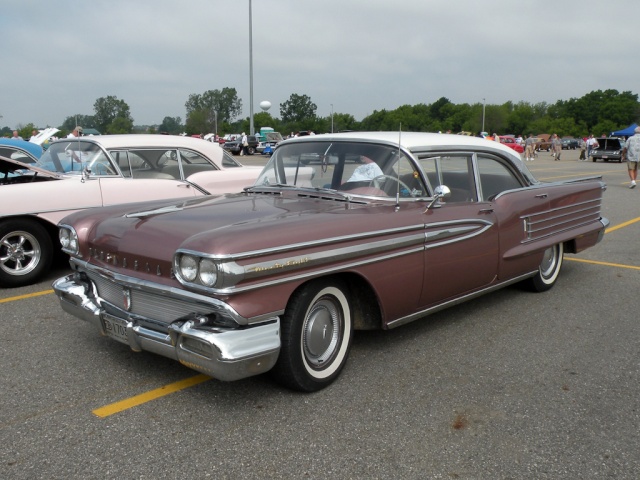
x=153, y=306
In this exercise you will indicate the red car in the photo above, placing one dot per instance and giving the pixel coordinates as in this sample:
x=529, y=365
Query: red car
x=511, y=143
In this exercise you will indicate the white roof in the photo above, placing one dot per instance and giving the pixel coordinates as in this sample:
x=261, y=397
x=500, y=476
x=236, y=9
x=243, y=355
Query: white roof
x=415, y=140
x=209, y=149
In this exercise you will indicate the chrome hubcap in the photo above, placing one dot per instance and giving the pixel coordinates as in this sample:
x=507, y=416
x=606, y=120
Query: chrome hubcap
x=321, y=332
x=548, y=262
x=19, y=253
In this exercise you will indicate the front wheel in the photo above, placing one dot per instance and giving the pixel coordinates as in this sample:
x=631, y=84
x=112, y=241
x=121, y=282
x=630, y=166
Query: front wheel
x=26, y=252
x=548, y=270
x=316, y=331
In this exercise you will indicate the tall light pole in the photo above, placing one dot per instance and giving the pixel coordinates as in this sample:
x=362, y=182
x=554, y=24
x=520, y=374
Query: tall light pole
x=332, y=118
x=483, y=104
x=251, y=129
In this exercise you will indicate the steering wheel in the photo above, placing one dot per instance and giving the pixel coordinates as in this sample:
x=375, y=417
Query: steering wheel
x=377, y=182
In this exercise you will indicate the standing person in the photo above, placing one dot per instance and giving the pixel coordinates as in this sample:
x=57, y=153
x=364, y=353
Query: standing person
x=592, y=144
x=556, y=145
x=77, y=132
x=244, y=143
x=528, y=148
x=16, y=136
x=34, y=134
x=583, y=150
x=632, y=151
x=496, y=137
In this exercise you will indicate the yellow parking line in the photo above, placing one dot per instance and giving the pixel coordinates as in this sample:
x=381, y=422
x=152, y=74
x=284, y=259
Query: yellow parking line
x=28, y=295
x=148, y=396
x=622, y=225
x=606, y=264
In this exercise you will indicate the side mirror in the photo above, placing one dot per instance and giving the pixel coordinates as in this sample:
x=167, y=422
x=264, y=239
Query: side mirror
x=440, y=192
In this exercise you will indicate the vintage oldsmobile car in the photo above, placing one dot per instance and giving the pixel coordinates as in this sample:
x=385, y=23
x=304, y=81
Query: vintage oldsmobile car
x=278, y=277
x=87, y=172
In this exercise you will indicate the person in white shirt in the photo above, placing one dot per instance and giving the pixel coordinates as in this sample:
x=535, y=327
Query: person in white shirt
x=632, y=152
x=77, y=132
x=592, y=144
x=367, y=171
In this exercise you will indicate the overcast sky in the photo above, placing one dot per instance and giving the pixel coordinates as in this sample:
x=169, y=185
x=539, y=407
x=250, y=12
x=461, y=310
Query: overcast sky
x=357, y=55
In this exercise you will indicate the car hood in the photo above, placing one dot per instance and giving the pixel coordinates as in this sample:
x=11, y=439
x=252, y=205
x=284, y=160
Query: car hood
x=44, y=135
x=149, y=233
x=8, y=165
x=273, y=137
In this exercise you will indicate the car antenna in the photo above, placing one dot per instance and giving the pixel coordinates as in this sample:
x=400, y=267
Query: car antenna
x=398, y=169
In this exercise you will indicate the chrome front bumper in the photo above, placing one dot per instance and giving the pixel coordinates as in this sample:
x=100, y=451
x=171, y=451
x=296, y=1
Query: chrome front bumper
x=223, y=353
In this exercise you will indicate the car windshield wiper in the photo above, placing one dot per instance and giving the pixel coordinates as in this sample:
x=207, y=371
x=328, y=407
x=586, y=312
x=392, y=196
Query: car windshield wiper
x=269, y=187
x=311, y=192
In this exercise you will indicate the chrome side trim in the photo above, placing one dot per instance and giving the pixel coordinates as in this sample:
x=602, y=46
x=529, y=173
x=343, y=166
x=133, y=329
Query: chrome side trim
x=230, y=273
x=455, y=231
x=456, y=301
x=315, y=243
x=550, y=222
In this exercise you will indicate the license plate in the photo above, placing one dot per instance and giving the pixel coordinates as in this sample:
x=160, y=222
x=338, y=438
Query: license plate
x=605, y=156
x=115, y=328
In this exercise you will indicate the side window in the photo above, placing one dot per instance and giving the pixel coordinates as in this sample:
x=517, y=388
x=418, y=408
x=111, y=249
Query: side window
x=79, y=155
x=405, y=180
x=15, y=155
x=148, y=163
x=168, y=163
x=193, y=162
x=453, y=170
x=121, y=158
x=495, y=177
x=228, y=161
x=100, y=164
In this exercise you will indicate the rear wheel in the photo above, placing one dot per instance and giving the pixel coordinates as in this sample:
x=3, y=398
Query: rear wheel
x=316, y=332
x=26, y=252
x=548, y=270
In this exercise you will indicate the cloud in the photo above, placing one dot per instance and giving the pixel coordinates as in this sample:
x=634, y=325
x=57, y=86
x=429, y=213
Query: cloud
x=357, y=55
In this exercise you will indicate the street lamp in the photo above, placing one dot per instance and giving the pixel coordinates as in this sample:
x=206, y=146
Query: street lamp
x=251, y=129
x=332, y=118
x=483, y=104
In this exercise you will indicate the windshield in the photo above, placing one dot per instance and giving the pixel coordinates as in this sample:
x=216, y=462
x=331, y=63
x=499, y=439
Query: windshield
x=74, y=155
x=356, y=168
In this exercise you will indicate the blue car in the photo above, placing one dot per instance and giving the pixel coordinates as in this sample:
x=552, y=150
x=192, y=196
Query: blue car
x=20, y=150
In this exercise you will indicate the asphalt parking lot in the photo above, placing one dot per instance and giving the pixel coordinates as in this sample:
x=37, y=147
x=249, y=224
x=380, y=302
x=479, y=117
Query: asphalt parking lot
x=511, y=385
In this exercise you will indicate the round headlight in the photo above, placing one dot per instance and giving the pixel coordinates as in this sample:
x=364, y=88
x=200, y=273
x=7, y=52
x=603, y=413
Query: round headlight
x=208, y=272
x=73, y=242
x=188, y=267
x=63, y=235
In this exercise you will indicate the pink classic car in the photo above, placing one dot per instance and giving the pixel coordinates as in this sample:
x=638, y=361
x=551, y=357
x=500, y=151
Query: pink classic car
x=340, y=232
x=86, y=172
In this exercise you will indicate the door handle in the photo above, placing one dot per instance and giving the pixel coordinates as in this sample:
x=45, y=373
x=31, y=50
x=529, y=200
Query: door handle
x=542, y=195
x=486, y=210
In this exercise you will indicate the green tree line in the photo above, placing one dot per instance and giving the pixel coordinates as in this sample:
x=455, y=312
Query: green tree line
x=218, y=111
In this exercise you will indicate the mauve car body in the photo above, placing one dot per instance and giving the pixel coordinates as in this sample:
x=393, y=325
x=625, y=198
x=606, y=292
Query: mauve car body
x=277, y=278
